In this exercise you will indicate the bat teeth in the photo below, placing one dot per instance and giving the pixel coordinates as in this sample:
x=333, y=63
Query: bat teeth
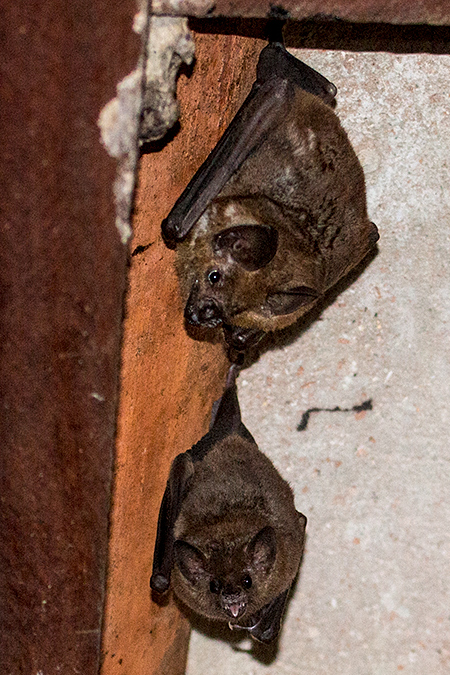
x=234, y=606
x=236, y=609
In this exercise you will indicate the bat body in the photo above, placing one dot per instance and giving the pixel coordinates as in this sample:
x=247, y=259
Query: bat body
x=229, y=538
x=277, y=213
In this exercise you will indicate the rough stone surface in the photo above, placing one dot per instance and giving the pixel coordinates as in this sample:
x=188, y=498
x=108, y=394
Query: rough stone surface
x=373, y=595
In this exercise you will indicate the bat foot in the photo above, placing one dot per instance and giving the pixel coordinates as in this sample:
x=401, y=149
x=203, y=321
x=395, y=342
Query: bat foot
x=257, y=633
x=274, y=29
x=240, y=339
x=267, y=636
x=235, y=357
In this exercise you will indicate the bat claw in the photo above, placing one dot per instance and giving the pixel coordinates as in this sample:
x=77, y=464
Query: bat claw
x=169, y=234
x=159, y=583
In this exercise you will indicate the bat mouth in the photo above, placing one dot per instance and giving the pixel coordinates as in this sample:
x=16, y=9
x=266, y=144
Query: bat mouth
x=234, y=604
x=204, y=313
x=235, y=609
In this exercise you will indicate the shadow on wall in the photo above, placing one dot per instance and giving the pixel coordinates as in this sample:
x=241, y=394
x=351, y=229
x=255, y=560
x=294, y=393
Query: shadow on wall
x=337, y=34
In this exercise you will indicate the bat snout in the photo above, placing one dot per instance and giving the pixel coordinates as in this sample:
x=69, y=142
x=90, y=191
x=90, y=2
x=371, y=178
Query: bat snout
x=204, y=312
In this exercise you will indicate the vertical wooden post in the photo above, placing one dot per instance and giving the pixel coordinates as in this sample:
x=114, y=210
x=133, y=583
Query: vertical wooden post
x=62, y=277
x=168, y=380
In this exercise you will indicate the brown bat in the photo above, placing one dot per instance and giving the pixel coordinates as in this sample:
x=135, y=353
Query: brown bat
x=229, y=539
x=277, y=213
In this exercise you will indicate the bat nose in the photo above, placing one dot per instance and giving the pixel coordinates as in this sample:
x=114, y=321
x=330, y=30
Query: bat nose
x=204, y=312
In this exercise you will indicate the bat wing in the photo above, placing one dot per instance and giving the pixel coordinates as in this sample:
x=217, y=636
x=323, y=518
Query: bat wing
x=226, y=420
x=180, y=472
x=257, y=115
x=278, y=73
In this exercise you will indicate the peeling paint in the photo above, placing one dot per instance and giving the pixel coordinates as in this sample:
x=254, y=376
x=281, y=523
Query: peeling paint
x=145, y=107
x=119, y=118
x=170, y=43
x=119, y=130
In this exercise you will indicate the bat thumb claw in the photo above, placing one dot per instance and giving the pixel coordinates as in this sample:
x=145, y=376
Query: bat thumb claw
x=159, y=583
x=168, y=234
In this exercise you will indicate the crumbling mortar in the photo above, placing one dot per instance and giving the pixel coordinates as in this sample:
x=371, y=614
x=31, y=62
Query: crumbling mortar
x=145, y=107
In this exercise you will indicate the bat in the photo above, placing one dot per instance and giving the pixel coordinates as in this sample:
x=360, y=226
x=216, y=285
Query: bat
x=277, y=213
x=229, y=539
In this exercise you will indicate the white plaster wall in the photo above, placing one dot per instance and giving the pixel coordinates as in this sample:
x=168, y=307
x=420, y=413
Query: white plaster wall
x=373, y=596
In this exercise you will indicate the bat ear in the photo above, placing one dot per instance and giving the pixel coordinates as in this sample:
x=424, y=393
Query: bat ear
x=286, y=302
x=263, y=549
x=252, y=246
x=190, y=561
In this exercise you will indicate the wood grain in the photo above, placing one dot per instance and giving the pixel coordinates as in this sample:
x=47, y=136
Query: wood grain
x=169, y=381
x=62, y=281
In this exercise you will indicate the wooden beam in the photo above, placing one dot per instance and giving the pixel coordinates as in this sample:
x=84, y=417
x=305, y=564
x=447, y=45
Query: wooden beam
x=169, y=381
x=62, y=278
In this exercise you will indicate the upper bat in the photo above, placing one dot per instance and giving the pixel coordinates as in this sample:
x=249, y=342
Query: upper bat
x=277, y=213
x=229, y=539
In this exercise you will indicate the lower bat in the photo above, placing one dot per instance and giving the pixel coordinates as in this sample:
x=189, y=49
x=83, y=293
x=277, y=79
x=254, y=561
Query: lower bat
x=229, y=539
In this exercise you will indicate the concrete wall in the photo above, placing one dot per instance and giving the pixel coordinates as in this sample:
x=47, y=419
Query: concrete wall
x=372, y=597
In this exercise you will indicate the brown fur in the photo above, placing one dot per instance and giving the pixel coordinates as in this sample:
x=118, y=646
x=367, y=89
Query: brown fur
x=305, y=181
x=220, y=517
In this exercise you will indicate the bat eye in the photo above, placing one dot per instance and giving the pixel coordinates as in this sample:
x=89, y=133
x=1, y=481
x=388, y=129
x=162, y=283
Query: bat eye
x=247, y=581
x=213, y=277
x=214, y=586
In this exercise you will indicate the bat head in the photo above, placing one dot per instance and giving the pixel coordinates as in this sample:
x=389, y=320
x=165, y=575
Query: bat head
x=235, y=253
x=226, y=583
x=238, y=270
